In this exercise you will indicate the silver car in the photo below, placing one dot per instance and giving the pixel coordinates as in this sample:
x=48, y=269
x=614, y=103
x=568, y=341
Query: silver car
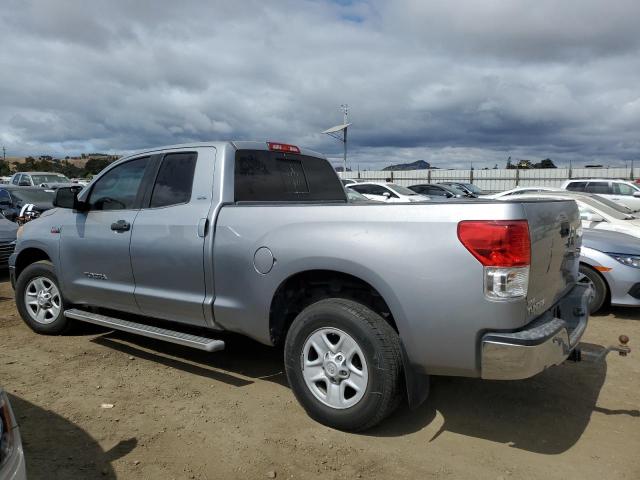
x=610, y=262
x=12, y=465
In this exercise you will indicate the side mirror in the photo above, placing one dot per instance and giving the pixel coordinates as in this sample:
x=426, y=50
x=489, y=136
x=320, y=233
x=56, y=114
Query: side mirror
x=67, y=197
x=592, y=217
x=387, y=195
x=636, y=194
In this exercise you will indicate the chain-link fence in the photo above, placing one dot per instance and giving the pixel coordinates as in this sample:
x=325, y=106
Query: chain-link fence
x=495, y=180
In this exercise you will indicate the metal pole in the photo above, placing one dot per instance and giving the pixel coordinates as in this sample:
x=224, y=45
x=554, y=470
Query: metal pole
x=345, y=150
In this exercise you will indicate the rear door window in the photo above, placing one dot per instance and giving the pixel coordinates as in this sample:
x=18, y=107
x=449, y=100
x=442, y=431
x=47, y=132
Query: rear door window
x=603, y=188
x=175, y=179
x=265, y=176
x=577, y=186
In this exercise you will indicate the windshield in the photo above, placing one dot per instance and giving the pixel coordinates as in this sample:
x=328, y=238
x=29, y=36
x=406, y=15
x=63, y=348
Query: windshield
x=33, y=196
x=604, y=208
x=53, y=178
x=473, y=189
x=455, y=190
x=400, y=189
x=354, y=196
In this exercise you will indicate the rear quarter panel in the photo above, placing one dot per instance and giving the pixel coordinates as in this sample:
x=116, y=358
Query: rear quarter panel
x=409, y=253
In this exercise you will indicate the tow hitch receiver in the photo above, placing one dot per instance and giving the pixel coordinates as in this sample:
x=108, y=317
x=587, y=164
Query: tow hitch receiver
x=622, y=348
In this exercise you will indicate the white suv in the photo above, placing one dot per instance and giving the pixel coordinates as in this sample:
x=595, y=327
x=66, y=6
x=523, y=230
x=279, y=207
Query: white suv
x=619, y=191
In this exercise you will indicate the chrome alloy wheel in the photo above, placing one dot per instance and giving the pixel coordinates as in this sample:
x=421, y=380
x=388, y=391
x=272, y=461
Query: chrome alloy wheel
x=334, y=368
x=42, y=299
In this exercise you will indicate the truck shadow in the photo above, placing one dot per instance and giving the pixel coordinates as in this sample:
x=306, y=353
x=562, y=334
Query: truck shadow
x=242, y=360
x=545, y=414
x=56, y=448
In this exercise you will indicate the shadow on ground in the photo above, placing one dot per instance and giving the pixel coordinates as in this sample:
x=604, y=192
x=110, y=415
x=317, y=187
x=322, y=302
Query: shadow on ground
x=546, y=414
x=242, y=360
x=56, y=448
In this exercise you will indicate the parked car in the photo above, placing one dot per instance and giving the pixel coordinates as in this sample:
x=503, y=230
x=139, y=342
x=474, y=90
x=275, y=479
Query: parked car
x=470, y=188
x=610, y=262
x=368, y=299
x=436, y=190
x=523, y=191
x=13, y=199
x=387, y=192
x=620, y=191
x=595, y=211
x=8, y=231
x=12, y=464
x=40, y=179
x=348, y=181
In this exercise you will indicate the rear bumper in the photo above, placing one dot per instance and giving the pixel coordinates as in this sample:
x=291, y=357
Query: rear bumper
x=543, y=343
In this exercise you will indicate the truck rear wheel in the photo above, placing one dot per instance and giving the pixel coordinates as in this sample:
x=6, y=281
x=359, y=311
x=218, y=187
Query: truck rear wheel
x=39, y=299
x=344, y=364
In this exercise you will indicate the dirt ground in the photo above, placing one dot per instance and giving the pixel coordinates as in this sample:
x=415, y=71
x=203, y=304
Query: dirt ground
x=180, y=413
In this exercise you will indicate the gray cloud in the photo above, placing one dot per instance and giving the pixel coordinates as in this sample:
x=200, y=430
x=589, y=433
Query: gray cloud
x=448, y=82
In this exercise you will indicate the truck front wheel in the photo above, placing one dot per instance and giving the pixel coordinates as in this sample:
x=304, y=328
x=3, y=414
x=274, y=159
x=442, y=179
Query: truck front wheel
x=344, y=364
x=39, y=299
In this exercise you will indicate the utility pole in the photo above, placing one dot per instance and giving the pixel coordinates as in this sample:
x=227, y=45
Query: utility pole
x=345, y=111
x=4, y=154
x=335, y=133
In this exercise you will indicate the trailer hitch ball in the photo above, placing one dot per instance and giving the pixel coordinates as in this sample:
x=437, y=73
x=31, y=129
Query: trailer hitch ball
x=624, y=349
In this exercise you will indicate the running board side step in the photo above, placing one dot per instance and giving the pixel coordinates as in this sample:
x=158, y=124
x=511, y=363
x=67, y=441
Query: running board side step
x=172, y=336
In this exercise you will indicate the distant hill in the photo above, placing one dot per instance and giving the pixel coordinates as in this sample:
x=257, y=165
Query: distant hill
x=418, y=165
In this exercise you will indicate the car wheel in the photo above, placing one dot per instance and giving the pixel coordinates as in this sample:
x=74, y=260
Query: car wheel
x=39, y=299
x=344, y=364
x=598, y=286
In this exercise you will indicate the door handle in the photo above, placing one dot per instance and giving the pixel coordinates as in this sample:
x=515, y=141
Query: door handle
x=121, y=226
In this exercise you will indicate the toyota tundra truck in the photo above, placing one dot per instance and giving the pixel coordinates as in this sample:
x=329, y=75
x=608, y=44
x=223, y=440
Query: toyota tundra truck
x=258, y=238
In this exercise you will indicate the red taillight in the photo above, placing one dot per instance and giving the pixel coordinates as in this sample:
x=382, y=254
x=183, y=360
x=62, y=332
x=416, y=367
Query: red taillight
x=283, y=147
x=497, y=243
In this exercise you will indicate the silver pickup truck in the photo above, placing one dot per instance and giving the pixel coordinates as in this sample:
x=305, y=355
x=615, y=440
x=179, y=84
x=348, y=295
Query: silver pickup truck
x=368, y=299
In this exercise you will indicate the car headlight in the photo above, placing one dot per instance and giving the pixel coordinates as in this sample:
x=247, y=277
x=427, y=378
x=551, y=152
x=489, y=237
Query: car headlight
x=628, y=260
x=7, y=430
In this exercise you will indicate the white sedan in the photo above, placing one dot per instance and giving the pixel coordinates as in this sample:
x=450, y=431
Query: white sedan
x=387, y=192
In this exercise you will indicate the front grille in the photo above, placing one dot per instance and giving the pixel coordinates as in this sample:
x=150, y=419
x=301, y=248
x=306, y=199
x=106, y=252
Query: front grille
x=6, y=249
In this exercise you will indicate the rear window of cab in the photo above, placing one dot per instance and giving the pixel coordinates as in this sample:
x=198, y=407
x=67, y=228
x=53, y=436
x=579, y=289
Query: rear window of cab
x=268, y=176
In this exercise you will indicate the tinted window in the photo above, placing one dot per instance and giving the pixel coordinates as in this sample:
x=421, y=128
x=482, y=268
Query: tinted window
x=623, y=189
x=420, y=188
x=437, y=191
x=598, y=187
x=118, y=188
x=273, y=176
x=5, y=198
x=174, y=180
x=577, y=186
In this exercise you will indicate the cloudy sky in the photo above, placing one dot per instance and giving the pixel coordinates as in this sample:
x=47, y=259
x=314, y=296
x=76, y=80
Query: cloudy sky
x=450, y=82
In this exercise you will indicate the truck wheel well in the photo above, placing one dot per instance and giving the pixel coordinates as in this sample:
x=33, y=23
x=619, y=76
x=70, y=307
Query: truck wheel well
x=305, y=288
x=27, y=257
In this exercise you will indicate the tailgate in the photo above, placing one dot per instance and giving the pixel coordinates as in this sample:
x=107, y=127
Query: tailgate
x=555, y=230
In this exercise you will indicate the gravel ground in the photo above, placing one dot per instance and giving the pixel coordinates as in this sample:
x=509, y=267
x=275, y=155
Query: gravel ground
x=179, y=413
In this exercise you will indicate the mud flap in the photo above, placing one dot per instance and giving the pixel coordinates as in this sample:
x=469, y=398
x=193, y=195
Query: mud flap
x=417, y=383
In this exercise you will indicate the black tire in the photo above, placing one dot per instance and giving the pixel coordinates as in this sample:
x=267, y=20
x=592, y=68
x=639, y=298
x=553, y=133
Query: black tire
x=56, y=324
x=380, y=346
x=599, y=286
